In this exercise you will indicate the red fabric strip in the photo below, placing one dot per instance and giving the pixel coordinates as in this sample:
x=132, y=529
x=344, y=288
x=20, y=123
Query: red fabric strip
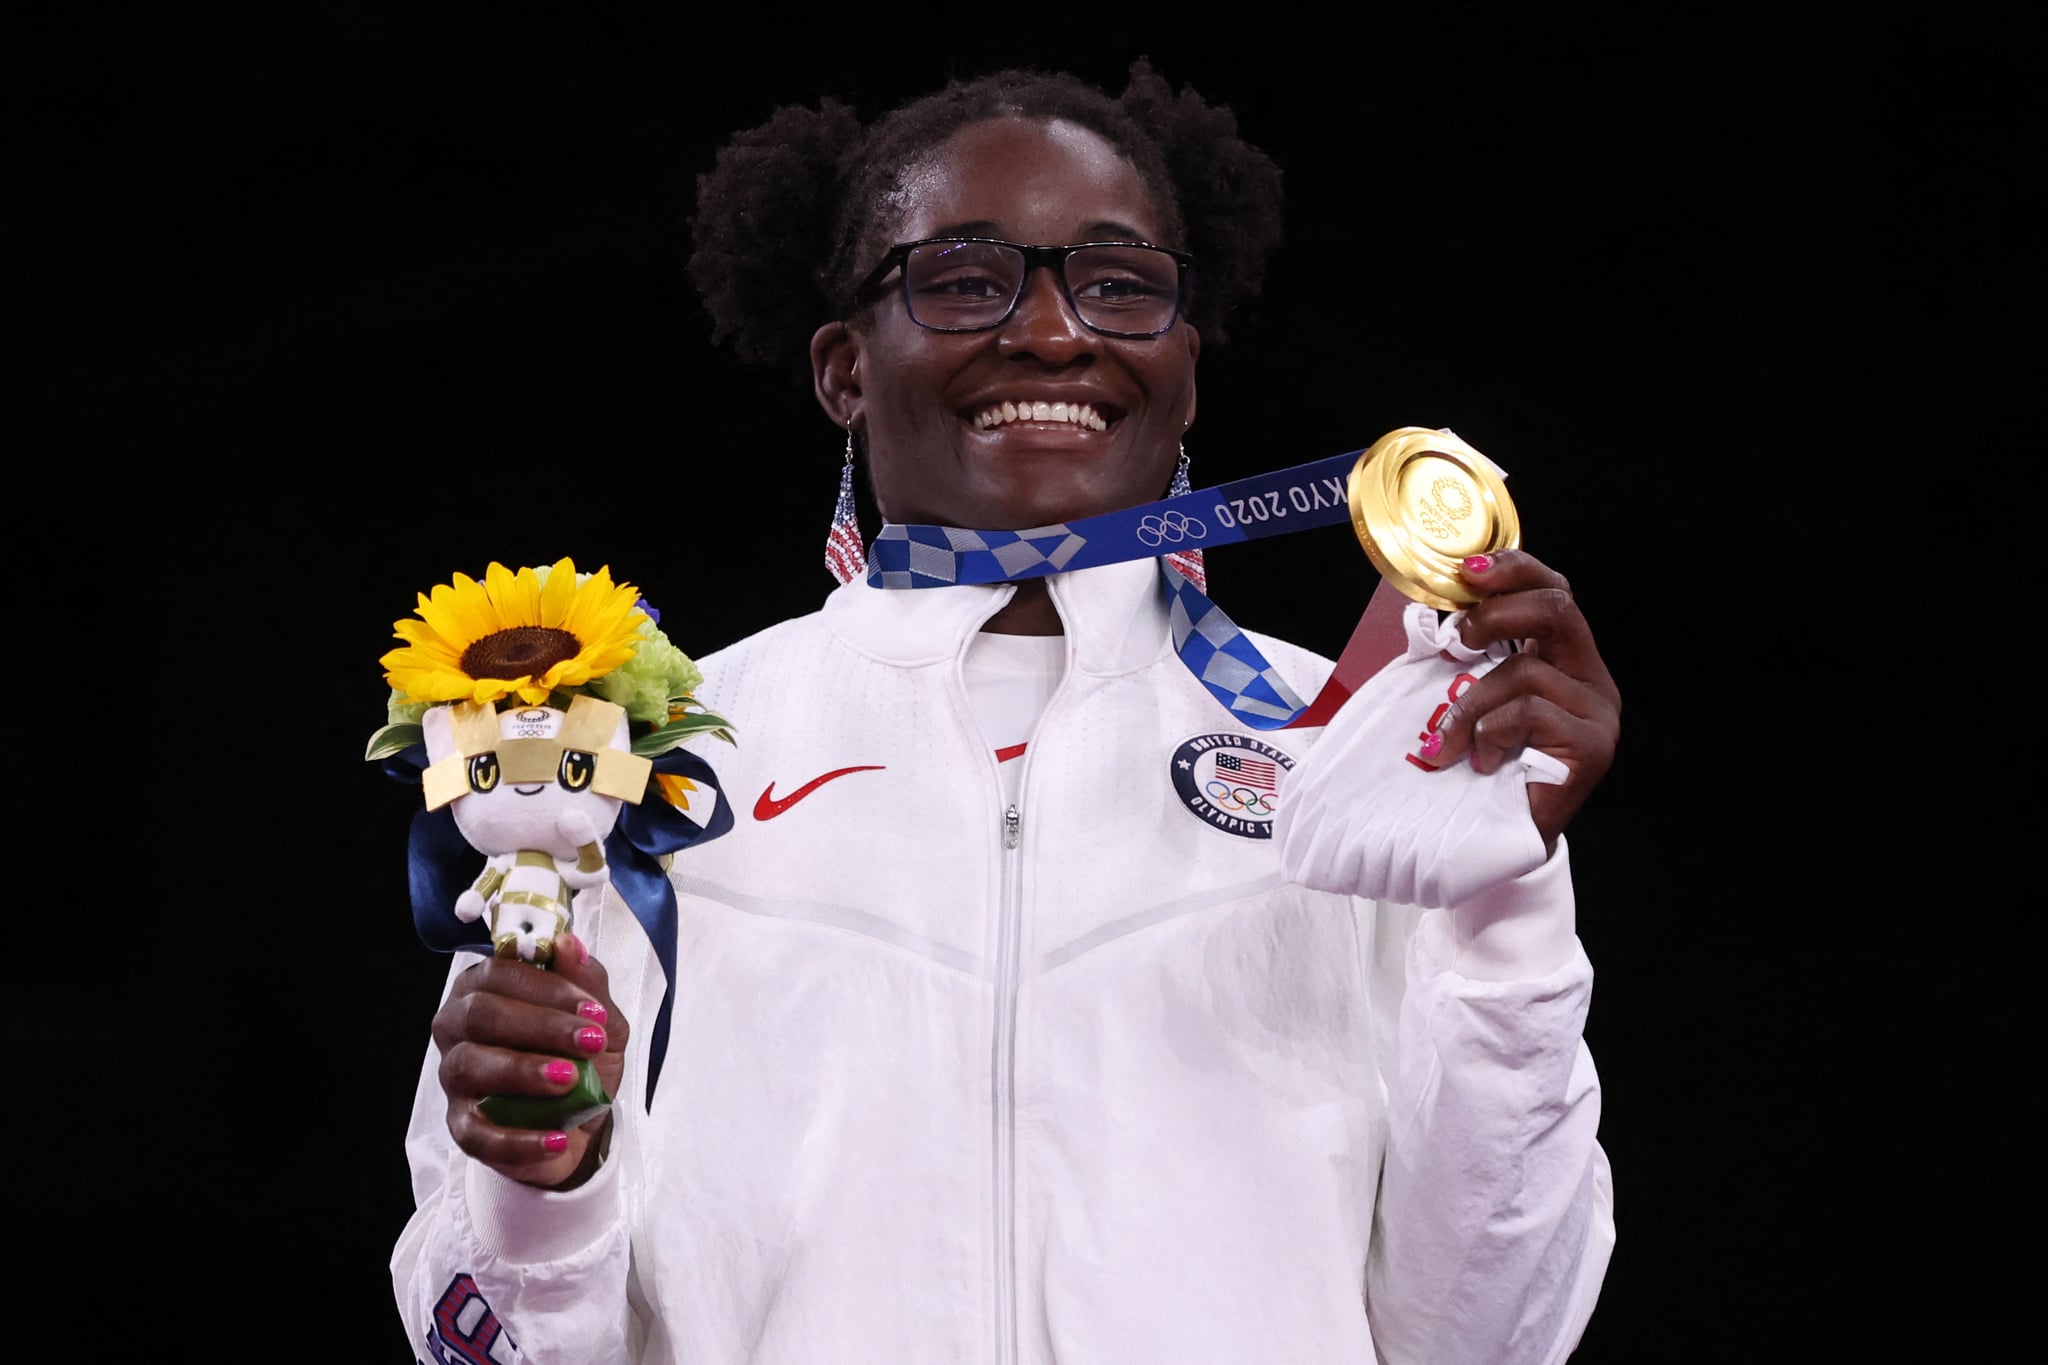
x=1378, y=638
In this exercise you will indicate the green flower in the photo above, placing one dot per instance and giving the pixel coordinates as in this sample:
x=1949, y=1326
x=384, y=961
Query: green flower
x=644, y=685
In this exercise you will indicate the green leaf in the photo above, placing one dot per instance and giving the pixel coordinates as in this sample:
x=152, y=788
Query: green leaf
x=393, y=739
x=683, y=727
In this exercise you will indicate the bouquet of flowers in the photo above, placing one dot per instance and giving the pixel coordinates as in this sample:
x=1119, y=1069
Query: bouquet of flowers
x=542, y=712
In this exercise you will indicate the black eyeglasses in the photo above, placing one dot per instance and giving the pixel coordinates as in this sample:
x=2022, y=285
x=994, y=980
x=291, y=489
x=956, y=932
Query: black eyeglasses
x=970, y=284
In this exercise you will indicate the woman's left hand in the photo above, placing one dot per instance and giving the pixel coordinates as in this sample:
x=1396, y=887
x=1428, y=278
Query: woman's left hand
x=1555, y=694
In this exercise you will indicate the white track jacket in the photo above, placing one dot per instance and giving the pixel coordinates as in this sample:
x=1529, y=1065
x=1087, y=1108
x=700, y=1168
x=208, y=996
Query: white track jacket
x=1086, y=1081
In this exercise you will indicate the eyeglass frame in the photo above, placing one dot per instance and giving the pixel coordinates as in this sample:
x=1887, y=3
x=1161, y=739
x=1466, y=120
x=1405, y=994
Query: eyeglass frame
x=1053, y=257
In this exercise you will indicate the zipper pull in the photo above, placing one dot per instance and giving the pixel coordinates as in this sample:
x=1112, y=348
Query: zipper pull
x=1011, y=820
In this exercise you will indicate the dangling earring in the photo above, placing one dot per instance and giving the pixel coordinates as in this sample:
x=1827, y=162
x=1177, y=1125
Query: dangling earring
x=845, y=556
x=1187, y=562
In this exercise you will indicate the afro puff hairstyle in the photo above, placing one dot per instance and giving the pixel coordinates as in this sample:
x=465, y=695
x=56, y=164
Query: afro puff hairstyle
x=793, y=211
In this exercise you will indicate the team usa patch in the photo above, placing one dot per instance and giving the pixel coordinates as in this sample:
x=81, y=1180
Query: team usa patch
x=1231, y=781
x=466, y=1332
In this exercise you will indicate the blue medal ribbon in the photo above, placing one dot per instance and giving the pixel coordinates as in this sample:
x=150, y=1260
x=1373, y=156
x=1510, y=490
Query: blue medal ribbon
x=1219, y=654
x=1264, y=505
x=441, y=864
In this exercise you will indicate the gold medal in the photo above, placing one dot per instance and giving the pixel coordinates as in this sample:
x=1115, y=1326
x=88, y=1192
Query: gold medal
x=1422, y=501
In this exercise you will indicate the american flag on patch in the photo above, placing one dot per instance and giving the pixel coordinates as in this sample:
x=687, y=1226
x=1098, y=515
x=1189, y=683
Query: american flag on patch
x=1256, y=771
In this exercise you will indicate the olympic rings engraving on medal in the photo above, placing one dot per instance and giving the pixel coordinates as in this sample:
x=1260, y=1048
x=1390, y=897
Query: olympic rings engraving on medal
x=1170, y=528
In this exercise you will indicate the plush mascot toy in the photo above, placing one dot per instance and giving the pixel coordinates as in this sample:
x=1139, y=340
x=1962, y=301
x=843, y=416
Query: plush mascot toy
x=541, y=714
x=536, y=790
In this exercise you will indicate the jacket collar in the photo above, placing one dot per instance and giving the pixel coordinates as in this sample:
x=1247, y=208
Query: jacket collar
x=1115, y=617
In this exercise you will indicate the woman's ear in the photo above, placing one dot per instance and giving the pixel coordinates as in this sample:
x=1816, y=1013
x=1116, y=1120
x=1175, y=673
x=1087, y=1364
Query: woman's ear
x=835, y=372
x=1194, y=354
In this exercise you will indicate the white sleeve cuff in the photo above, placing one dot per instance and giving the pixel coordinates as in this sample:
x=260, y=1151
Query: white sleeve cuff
x=524, y=1225
x=1519, y=929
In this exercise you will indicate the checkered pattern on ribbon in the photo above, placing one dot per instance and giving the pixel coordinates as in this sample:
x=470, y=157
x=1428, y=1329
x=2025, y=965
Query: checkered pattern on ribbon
x=935, y=556
x=1224, y=660
x=1220, y=655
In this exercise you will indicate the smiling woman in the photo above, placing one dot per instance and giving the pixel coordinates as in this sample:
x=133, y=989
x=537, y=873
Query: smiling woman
x=1092, y=1020
x=1011, y=409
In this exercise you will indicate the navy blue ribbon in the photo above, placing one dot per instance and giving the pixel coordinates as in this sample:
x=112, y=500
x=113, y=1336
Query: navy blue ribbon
x=1220, y=655
x=441, y=865
x=1273, y=504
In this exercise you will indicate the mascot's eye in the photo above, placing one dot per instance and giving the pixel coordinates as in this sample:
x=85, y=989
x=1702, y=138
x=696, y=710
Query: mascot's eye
x=483, y=772
x=577, y=768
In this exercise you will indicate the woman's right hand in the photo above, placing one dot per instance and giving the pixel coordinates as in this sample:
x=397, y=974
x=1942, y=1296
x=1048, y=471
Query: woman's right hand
x=504, y=1027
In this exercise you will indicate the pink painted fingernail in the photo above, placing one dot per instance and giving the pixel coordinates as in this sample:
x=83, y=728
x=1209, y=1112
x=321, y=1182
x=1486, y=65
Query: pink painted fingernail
x=1478, y=563
x=1432, y=744
x=559, y=1072
x=592, y=1011
x=556, y=1142
x=575, y=946
x=590, y=1039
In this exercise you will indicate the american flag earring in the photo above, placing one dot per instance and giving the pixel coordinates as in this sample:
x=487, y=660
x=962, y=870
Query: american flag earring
x=1188, y=562
x=845, y=556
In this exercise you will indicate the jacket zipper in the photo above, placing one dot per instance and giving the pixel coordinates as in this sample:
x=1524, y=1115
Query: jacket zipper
x=1004, y=1082
x=1003, y=1062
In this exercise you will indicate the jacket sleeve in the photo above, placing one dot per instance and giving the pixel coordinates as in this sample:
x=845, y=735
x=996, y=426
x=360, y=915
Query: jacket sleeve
x=490, y=1269
x=1495, y=1217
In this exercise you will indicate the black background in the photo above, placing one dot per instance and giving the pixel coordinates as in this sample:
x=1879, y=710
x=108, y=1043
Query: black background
x=329, y=306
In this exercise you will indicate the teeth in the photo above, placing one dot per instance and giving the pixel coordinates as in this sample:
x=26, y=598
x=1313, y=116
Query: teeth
x=1080, y=414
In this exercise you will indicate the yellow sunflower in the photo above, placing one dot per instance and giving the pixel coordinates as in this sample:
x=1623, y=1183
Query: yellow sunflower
x=513, y=634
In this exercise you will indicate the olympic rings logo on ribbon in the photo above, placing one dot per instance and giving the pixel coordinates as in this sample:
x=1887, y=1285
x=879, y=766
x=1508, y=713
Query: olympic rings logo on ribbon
x=1226, y=797
x=1170, y=529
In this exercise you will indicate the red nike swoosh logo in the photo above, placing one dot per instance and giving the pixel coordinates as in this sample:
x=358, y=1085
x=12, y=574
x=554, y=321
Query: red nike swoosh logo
x=767, y=807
